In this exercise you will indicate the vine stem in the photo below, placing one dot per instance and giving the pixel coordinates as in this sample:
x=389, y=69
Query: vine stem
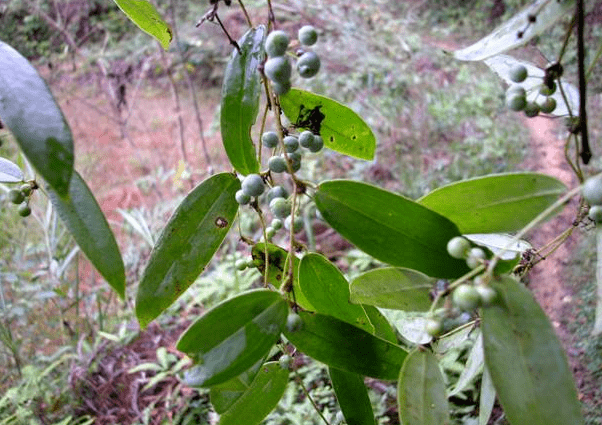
x=308, y=395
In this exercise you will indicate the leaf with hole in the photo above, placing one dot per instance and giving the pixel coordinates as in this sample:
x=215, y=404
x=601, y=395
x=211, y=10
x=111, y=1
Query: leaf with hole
x=29, y=110
x=232, y=336
x=421, y=391
x=145, y=16
x=240, y=101
x=346, y=347
x=527, y=364
x=341, y=128
x=394, y=288
x=187, y=243
x=352, y=396
x=390, y=227
x=496, y=203
x=83, y=217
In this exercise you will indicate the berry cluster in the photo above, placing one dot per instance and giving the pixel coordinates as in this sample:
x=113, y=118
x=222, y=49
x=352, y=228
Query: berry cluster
x=21, y=197
x=278, y=67
x=516, y=95
x=592, y=193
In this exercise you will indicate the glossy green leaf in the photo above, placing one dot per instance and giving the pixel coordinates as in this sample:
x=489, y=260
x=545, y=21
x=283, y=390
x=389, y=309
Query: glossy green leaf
x=341, y=128
x=394, y=288
x=187, y=244
x=30, y=112
x=260, y=399
x=526, y=361
x=473, y=367
x=382, y=328
x=346, y=347
x=486, y=399
x=327, y=290
x=231, y=337
x=10, y=172
x=224, y=395
x=352, y=396
x=240, y=101
x=390, y=227
x=496, y=203
x=277, y=265
x=145, y=16
x=86, y=222
x=518, y=30
x=421, y=391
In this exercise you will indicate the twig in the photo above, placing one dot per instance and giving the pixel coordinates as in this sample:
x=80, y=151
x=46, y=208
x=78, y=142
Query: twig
x=585, y=153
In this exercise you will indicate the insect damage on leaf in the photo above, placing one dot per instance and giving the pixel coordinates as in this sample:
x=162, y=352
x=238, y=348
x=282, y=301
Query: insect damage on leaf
x=310, y=118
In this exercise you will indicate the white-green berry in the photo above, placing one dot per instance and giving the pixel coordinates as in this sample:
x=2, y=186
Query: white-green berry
x=307, y=35
x=253, y=185
x=277, y=164
x=241, y=197
x=270, y=139
x=306, y=138
x=281, y=88
x=308, y=65
x=531, y=109
x=316, y=144
x=294, y=322
x=280, y=207
x=518, y=73
x=466, y=297
x=291, y=143
x=278, y=69
x=476, y=256
x=276, y=224
x=296, y=223
x=277, y=192
x=548, y=105
x=276, y=43
x=592, y=190
x=458, y=247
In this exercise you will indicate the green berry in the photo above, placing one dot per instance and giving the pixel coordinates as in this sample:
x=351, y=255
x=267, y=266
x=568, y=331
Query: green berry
x=317, y=144
x=595, y=213
x=276, y=43
x=295, y=163
x=24, y=209
x=308, y=65
x=280, y=207
x=516, y=102
x=518, y=73
x=278, y=70
x=306, y=138
x=548, y=105
x=285, y=361
x=277, y=164
x=277, y=192
x=270, y=139
x=241, y=264
x=516, y=90
x=466, y=297
x=291, y=143
x=545, y=90
x=253, y=185
x=296, y=223
x=25, y=189
x=433, y=326
x=242, y=198
x=592, y=190
x=531, y=109
x=458, y=247
x=16, y=196
x=307, y=35
x=276, y=224
x=270, y=232
x=294, y=322
x=475, y=257
x=487, y=294
x=281, y=88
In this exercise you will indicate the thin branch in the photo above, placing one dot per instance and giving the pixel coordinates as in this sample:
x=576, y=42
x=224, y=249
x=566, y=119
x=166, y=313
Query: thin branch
x=585, y=153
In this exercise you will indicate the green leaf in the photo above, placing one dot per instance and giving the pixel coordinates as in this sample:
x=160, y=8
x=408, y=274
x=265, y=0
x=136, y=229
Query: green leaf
x=10, y=172
x=224, y=395
x=187, y=244
x=496, y=203
x=232, y=336
x=390, y=227
x=486, y=399
x=352, y=396
x=260, y=399
x=421, y=391
x=145, y=16
x=343, y=346
x=526, y=361
x=518, y=31
x=382, y=328
x=394, y=288
x=328, y=291
x=86, y=222
x=342, y=129
x=240, y=101
x=30, y=112
x=473, y=367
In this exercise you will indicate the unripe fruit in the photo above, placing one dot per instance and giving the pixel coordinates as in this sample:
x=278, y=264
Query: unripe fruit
x=285, y=361
x=270, y=232
x=278, y=69
x=307, y=35
x=277, y=192
x=487, y=294
x=276, y=224
x=242, y=198
x=516, y=91
x=16, y=196
x=475, y=257
x=306, y=138
x=281, y=88
x=277, y=164
x=458, y=247
x=240, y=264
x=294, y=156
x=516, y=102
x=308, y=65
x=276, y=43
x=24, y=209
x=518, y=73
x=253, y=185
x=592, y=190
x=270, y=139
x=295, y=162
x=547, y=91
x=531, y=109
x=294, y=322
x=595, y=213
x=317, y=144
x=280, y=207
x=297, y=223
x=466, y=297
x=433, y=326
x=291, y=143
x=548, y=105
x=26, y=189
